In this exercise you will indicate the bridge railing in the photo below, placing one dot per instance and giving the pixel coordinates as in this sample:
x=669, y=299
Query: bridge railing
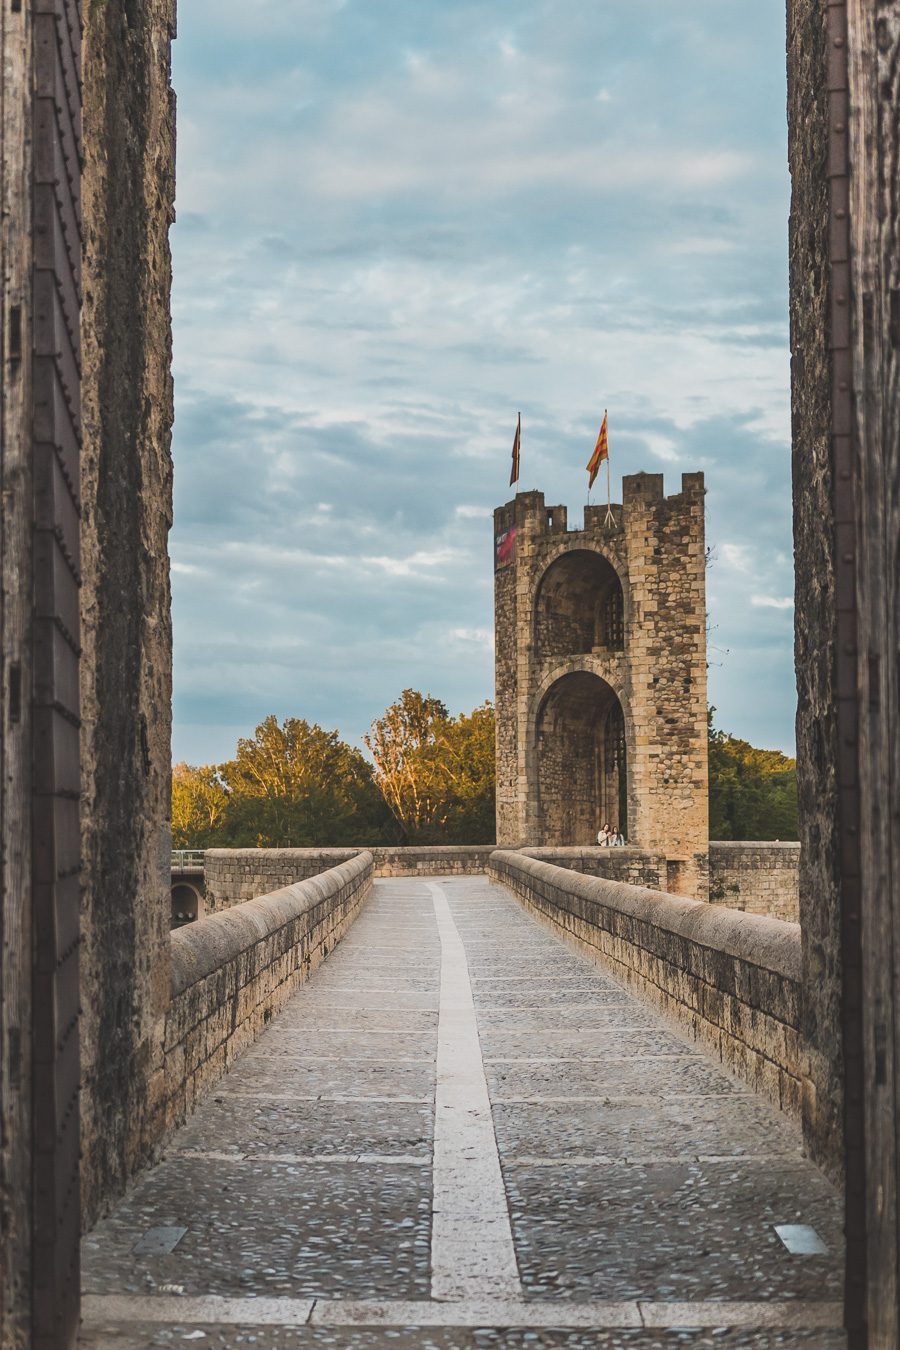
x=731, y=979
x=232, y=972
x=187, y=857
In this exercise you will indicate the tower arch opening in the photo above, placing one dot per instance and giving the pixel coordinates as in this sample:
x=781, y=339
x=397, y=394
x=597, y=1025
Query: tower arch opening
x=582, y=762
x=579, y=606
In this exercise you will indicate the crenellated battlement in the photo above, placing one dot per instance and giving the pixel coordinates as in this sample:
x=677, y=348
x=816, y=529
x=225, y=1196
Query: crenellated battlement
x=530, y=513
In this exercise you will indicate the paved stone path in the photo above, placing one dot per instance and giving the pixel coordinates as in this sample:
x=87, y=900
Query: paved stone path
x=462, y=1133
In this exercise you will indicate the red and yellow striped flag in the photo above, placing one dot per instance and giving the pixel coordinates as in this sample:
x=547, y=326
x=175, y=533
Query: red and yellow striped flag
x=601, y=452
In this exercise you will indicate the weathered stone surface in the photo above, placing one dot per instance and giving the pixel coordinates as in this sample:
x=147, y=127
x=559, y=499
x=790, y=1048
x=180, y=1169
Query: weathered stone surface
x=815, y=612
x=637, y=867
x=732, y=980
x=601, y=675
x=128, y=191
x=441, y=860
x=231, y=972
x=759, y=878
x=629, y=1166
x=235, y=874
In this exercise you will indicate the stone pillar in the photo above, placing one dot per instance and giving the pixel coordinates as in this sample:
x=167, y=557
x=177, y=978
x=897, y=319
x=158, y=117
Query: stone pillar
x=510, y=809
x=843, y=57
x=666, y=651
x=129, y=187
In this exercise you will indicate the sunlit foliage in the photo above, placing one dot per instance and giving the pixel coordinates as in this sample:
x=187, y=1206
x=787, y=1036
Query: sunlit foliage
x=293, y=784
x=752, y=793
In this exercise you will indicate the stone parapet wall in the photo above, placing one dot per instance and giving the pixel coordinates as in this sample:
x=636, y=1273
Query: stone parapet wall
x=759, y=878
x=232, y=972
x=433, y=860
x=636, y=866
x=233, y=875
x=731, y=980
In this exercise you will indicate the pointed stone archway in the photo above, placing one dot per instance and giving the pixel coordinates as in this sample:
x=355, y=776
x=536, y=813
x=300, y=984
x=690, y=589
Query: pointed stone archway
x=582, y=760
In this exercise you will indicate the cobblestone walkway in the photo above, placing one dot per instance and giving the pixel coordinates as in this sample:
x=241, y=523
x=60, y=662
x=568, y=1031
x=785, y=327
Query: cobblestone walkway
x=461, y=1133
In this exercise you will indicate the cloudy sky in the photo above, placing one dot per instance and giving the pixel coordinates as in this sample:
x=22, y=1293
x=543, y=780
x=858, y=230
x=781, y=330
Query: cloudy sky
x=400, y=221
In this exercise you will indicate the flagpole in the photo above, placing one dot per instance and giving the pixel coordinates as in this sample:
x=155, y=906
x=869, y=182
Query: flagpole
x=610, y=519
x=521, y=438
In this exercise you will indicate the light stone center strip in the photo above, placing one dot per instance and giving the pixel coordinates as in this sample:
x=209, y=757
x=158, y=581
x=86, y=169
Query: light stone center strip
x=472, y=1252
x=214, y=1310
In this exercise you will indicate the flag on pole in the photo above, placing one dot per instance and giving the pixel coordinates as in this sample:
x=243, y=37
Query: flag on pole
x=601, y=453
x=516, y=451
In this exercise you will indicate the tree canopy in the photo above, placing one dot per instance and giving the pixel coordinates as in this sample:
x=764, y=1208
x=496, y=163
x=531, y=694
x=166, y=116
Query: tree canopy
x=436, y=772
x=752, y=793
x=293, y=784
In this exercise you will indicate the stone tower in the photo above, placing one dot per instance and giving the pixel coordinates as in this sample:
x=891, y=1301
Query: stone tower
x=601, y=674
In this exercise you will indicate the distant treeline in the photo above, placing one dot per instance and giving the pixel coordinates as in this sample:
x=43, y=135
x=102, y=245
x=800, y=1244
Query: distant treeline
x=430, y=780
x=752, y=793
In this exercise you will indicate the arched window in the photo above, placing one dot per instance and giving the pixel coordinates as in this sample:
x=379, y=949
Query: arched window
x=579, y=607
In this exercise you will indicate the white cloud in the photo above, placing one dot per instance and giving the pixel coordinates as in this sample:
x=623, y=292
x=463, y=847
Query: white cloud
x=479, y=637
x=739, y=557
x=772, y=601
x=396, y=228
x=413, y=565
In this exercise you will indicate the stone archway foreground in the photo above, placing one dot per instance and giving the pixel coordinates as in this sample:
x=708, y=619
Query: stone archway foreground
x=580, y=747
x=87, y=497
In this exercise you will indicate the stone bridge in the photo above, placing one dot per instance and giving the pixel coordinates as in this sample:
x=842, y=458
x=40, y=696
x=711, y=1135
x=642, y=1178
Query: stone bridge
x=112, y=1029
x=513, y=1105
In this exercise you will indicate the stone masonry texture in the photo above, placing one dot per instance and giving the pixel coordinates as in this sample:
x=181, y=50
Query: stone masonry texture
x=731, y=980
x=634, y=866
x=601, y=675
x=235, y=874
x=815, y=617
x=640, y=1182
x=128, y=191
x=760, y=878
x=232, y=972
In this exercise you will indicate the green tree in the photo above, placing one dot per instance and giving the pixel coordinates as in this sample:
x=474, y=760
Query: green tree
x=752, y=793
x=404, y=744
x=436, y=772
x=467, y=753
x=289, y=784
x=295, y=784
x=200, y=801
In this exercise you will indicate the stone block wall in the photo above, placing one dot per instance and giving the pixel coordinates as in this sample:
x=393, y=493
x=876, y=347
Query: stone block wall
x=232, y=972
x=816, y=652
x=432, y=860
x=233, y=875
x=635, y=866
x=759, y=878
x=731, y=980
x=236, y=874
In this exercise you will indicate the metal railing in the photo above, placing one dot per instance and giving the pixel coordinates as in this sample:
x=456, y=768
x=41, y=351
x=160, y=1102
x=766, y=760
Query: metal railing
x=183, y=858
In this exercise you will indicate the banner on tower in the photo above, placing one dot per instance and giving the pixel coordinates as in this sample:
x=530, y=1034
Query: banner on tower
x=505, y=549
